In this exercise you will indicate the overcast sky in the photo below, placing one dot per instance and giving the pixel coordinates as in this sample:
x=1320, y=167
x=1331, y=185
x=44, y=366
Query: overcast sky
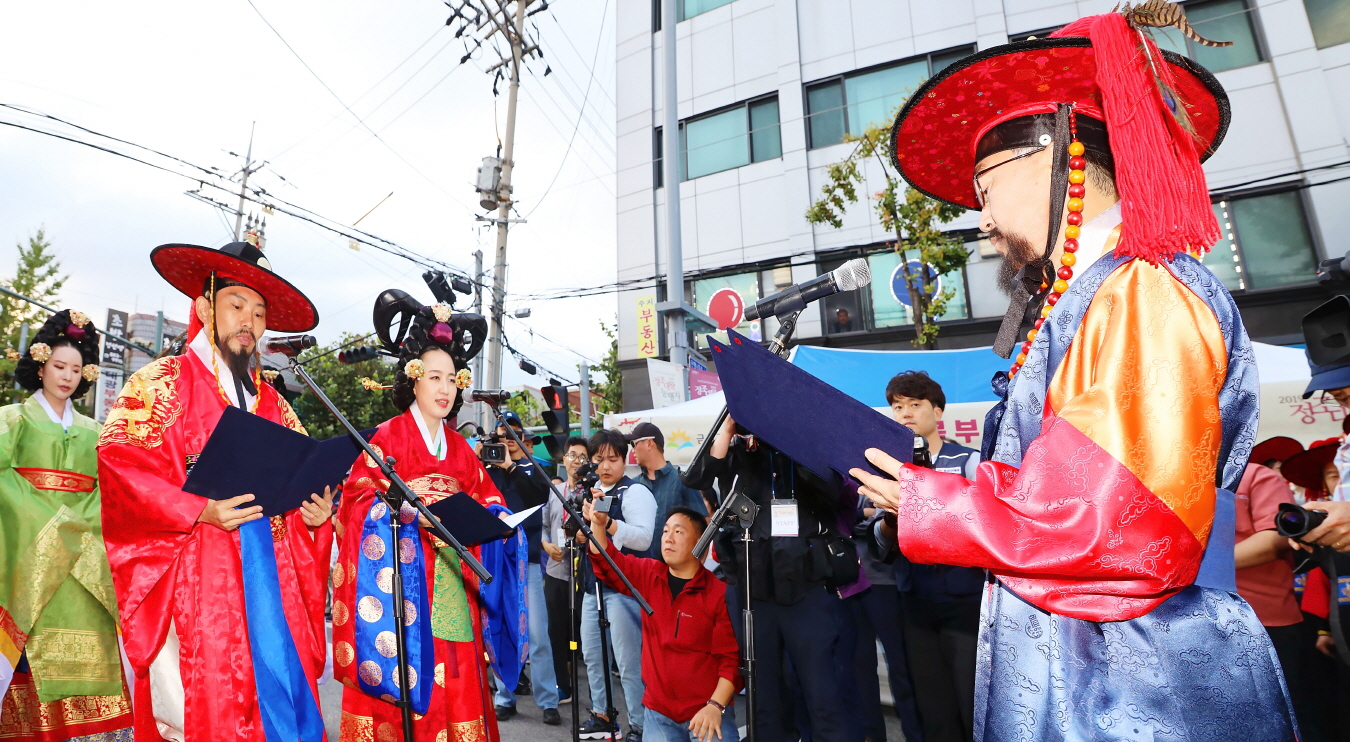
x=190, y=79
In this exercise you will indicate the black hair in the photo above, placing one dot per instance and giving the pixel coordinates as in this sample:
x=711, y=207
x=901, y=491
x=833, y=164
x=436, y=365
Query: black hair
x=577, y=440
x=417, y=342
x=607, y=438
x=699, y=520
x=916, y=385
x=54, y=333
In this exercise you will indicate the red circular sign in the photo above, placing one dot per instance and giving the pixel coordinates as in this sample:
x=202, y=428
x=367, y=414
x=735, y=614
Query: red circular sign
x=727, y=307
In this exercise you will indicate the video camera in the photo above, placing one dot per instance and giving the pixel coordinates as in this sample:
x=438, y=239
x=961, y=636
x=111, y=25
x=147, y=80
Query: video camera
x=492, y=450
x=587, y=478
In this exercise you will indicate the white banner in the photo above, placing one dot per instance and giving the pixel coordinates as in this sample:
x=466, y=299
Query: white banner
x=667, y=380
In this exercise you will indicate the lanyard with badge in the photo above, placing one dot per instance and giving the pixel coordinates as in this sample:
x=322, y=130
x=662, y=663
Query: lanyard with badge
x=784, y=511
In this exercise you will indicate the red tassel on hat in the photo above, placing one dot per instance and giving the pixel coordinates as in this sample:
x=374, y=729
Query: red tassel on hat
x=1165, y=207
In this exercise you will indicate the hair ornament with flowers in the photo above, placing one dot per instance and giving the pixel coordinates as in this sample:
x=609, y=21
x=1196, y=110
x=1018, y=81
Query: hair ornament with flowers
x=89, y=372
x=372, y=385
x=66, y=328
x=414, y=369
x=41, y=352
x=441, y=312
x=464, y=378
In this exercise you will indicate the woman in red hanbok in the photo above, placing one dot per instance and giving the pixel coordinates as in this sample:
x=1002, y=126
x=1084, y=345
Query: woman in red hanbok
x=436, y=463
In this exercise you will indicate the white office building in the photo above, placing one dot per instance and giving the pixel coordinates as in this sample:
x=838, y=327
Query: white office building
x=768, y=89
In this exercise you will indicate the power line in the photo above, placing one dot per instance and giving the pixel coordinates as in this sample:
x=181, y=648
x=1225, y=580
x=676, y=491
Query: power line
x=360, y=120
x=589, y=81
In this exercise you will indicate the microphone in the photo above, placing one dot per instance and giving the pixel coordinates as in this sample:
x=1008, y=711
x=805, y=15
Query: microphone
x=289, y=345
x=491, y=396
x=851, y=275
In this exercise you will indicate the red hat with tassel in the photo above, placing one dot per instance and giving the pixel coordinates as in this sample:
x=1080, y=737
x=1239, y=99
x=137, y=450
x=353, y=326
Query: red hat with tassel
x=1158, y=115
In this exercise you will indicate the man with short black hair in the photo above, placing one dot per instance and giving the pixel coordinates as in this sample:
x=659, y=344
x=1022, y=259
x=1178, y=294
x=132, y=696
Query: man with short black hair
x=661, y=477
x=940, y=603
x=632, y=514
x=689, y=652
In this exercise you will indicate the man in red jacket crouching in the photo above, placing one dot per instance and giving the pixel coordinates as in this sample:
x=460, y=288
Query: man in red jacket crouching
x=689, y=653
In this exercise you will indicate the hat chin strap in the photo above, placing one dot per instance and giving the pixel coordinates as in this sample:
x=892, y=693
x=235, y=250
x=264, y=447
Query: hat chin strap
x=1034, y=280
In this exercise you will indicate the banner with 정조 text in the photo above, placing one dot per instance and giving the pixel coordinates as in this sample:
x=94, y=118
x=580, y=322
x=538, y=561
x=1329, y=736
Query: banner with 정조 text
x=648, y=340
x=667, y=381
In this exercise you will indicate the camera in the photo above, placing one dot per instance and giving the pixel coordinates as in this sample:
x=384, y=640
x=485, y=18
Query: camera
x=587, y=478
x=492, y=451
x=1294, y=521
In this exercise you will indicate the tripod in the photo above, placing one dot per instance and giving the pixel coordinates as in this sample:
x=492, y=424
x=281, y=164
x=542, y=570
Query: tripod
x=738, y=505
x=398, y=493
x=610, y=711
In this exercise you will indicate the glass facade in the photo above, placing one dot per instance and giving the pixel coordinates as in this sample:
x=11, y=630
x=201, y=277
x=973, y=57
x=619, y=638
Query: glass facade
x=691, y=8
x=1217, y=20
x=726, y=139
x=1330, y=21
x=848, y=104
x=1265, y=243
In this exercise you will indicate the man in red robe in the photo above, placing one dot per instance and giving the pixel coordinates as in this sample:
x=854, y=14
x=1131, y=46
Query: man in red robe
x=184, y=566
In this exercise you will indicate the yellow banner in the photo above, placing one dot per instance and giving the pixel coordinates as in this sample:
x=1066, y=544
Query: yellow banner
x=649, y=343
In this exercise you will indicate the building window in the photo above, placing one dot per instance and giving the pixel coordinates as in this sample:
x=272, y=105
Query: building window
x=1265, y=243
x=1330, y=21
x=730, y=138
x=885, y=303
x=724, y=298
x=1040, y=33
x=658, y=159
x=1219, y=20
x=691, y=8
x=848, y=104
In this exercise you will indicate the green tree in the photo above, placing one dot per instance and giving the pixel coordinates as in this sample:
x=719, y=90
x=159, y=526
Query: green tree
x=607, y=393
x=37, y=276
x=528, y=407
x=912, y=217
x=342, y=383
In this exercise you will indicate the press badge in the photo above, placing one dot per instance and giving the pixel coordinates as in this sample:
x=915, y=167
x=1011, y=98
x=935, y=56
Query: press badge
x=784, y=514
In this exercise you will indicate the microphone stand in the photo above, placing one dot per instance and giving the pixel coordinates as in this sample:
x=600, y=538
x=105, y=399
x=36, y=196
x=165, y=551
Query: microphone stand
x=573, y=563
x=582, y=524
x=738, y=505
x=398, y=493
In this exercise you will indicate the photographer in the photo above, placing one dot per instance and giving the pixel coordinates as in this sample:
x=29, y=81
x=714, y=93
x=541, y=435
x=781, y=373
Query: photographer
x=798, y=616
x=689, y=657
x=632, y=513
x=557, y=570
x=1333, y=381
x=524, y=488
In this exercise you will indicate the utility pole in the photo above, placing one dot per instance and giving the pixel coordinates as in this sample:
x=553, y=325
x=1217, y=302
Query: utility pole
x=504, y=199
x=243, y=185
x=585, y=405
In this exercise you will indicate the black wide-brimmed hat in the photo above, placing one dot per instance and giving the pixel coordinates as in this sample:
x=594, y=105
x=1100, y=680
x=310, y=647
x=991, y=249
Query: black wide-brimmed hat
x=188, y=268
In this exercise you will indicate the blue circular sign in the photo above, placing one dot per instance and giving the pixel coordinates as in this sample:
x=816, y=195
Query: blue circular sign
x=900, y=292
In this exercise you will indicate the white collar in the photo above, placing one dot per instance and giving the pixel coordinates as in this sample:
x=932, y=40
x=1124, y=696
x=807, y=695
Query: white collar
x=435, y=446
x=1092, y=239
x=205, y=352
x=65, y=419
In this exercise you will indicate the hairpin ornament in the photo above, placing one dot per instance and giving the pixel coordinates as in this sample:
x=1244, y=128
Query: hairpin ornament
x=441, y=312
x=414, y=369
x=90, y=371
x=464, y=378
x=41, y=352
x=372, y=385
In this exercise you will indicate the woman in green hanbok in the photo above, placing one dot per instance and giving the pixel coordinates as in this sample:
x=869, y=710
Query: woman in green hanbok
x=60, y=667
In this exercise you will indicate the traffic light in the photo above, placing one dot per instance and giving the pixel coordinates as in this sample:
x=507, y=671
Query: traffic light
x=358, y=355
x=557, y=418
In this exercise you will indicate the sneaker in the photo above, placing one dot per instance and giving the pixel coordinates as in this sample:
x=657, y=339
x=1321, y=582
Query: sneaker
x=504, y=713
x=634, y=733
x=552, y=718
x=564, y=698
x=597, y=728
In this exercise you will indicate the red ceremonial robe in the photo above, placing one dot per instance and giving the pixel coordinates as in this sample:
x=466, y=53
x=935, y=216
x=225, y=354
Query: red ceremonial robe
x=461, y=701
x=168, y=567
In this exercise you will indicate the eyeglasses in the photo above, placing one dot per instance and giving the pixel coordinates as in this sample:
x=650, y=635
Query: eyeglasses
x=574, y=457
x=982, y=193
x=1340, y=396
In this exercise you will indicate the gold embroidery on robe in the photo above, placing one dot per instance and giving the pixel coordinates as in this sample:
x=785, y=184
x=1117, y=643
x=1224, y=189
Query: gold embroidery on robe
x=46, y=565
x=355, y=728
x=468, y=731
x=288, y=417
x=22, y=713
x=147, y=406
x=70, y=654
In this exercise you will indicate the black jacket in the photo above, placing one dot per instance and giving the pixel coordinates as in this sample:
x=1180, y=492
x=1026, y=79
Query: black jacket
x=784, y=569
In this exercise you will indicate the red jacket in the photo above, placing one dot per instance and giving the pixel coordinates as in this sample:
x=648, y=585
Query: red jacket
x=687, y=643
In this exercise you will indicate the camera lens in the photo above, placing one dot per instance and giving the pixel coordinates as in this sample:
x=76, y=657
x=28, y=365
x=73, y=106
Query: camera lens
x=1292, y=522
